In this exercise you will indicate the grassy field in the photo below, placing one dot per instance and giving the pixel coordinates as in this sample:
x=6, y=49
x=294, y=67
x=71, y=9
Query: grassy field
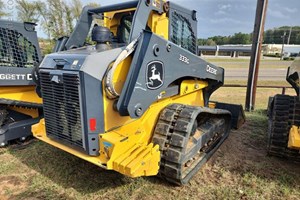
x=240, y=169
x=237, y=95
x=244, y=63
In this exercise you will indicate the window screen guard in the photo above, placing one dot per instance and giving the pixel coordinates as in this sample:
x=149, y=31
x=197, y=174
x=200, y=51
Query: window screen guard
x=16, y=50
x=182, y=32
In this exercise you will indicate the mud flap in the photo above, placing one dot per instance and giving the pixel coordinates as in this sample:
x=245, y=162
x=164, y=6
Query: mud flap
x=237, y=112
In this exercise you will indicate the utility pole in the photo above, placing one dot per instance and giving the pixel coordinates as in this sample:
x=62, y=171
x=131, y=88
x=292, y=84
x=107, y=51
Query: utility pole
x=289, y=38
x=258, y=35
x=282, y=49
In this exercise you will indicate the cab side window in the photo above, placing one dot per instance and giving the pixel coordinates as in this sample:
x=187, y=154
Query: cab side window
x=182, y=33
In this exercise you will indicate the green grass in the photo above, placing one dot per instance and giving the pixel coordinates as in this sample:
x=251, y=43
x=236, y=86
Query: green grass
x=238, y=63
x=259, y=83
x=238, y=95
x=222, y=59
x=244, y=59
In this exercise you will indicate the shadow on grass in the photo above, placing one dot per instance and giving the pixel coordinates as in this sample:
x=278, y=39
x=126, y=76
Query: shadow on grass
x=42, y=194
x=67, y=170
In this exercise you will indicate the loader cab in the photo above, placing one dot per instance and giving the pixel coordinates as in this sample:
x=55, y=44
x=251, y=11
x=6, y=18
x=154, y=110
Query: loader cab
x=127, y=20
x=19, y=53
x=178, y=25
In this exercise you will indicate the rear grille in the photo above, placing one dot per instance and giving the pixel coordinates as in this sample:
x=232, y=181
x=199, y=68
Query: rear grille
x=62, y=108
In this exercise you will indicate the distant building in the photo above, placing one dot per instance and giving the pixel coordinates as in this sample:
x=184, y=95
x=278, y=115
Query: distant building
x=225, y=50
x=245, y=50
x=273, y=49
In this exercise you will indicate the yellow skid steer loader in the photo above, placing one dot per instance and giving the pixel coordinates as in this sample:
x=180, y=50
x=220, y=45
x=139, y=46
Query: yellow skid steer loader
x=137, y=101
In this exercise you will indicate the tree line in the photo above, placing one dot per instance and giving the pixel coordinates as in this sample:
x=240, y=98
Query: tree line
x=57, y=18
x=271, y=36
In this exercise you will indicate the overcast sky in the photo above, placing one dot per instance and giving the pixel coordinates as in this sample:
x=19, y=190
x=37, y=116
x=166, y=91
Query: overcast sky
x=226, y=17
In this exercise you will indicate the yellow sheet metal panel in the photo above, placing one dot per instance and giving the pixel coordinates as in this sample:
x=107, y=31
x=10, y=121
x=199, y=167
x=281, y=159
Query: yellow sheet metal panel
x=112, y=19
x=121, y=142
x=24, y=94
x=212, y=105
x=189, y=86
x=294, y=138
x=159, y=24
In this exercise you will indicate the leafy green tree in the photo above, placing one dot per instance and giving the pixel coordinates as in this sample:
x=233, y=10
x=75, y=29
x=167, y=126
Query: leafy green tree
x=44, y=21
x=59, y=16
x=27, y=11
x=54, y=17
x=202, y=42
x=274, y=36
x=220, y=40
x=210, y=42
x=69, y=17
x=76, y=8
x=271, y=36
x=2, y=8
x=240, y=38
x=93, y=4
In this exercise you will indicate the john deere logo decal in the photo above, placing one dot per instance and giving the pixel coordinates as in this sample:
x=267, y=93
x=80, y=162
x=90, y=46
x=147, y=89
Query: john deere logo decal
x=155, y=75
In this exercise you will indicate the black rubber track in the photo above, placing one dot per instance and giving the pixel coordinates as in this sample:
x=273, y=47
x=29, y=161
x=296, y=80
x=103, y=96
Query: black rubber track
x=20, y=103
x=284, y=112
x=188, y=136
x=3, y=114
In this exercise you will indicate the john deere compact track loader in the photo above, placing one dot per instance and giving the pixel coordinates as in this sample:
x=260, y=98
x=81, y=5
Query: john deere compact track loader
x=284, y=119
x=137, y=101
x=20, y=106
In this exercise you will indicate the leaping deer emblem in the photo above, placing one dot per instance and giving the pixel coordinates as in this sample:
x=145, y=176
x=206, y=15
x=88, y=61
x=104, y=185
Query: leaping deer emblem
x=155, y=76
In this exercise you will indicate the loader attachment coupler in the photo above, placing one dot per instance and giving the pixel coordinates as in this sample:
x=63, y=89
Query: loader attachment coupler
x=237, y=113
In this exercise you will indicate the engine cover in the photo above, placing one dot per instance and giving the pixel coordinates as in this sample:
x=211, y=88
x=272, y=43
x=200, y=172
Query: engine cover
x=71, y=86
